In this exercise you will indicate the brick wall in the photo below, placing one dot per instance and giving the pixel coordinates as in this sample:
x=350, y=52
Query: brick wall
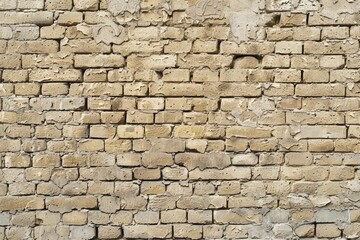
x=179, y=119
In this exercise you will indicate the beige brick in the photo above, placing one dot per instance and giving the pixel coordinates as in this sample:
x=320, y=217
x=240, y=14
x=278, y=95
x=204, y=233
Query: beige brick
x=288, y=47
x=331, y=47
x=352, y=230
x=26, y=33
x=75, y=218
x=202, y=161
x=148, y=231
x=237, y=217
x=327, y=230
x=204, y=60
x=102, y=131
x=8, y=203
x=225, y=174
x=41, y=18
x=56, y=5
x=134, y=46
x=189, y=131
x=231, y=75
x=90, y=61
x=320, y=90
x=49, y=131
x=117, y=146
x=157, y=62
x=52, y=32
x=322, y=131
x=135, y=89
x=86, y=4
x=109, y=232
x=139, y=117
x=91, y=145
x=17, y=161
x=70, y=18
x=316, y=76
x=85, y=46
x=147, y=174
x=333, y=62
x=43, y=75
x=44, y=46
x=54, y=89
x=187, y=231
x=178, y=47
x=250, y=48
x=10, y=61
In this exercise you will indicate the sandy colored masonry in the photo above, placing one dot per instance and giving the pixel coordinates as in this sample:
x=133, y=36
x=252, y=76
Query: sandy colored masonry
x=179, y=119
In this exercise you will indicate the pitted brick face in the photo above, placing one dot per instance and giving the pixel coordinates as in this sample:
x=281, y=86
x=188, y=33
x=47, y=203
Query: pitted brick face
x=179, y=119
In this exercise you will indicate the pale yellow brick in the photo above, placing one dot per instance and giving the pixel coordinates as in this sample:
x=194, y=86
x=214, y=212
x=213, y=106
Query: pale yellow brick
x=102, y=131
x=135, y=89
x=117, y=146
x=205, y=75
x=130, y=131
x=43, y=46
x=17, y=161
x=26, y=89
x=178, y=47
x=90, y=61
x=58, y=5
x=332, y=61
x=158, y=130
x=148, y=231
x=156, y=62
x=85, y=46
x=75, y=218
x=49, y=131
x=70, y=18
x=86, y=4
x=91, y=145
x=147, y=174
x=41, y=18
x=139, y=117
x=135, y=46
x=54, y=89
x=176, y=75
x=10, y=61
x=95, y=75
x=112, y=117
x=327, y=230
x=52, y=32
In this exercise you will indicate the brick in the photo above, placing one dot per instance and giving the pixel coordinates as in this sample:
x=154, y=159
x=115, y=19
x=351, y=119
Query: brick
x=156, y=62
x=44, y=75
x=10, y=61
x=89, y=61
x=319, y=90
x=44, y=46
x=226, y=174
x=40, y=18
x=148, y=231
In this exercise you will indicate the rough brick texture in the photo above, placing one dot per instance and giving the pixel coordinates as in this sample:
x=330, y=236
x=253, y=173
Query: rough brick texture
x=189, y=119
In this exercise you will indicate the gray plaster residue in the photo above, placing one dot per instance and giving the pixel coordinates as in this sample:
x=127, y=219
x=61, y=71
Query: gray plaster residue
x=109, y=32
x=117, y=7
x=332, y=8
x=242, y=15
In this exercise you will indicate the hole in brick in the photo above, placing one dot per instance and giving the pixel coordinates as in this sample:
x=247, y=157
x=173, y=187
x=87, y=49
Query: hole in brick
x=274, y=20
x=247, y=61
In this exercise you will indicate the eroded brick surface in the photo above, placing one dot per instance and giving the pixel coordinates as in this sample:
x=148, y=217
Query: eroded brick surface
x=179, y=119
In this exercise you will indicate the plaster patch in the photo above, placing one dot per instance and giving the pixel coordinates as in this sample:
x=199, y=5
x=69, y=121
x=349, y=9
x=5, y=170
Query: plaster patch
x=292, y=5
x=332, y=8
x=109, y=33
x=117, y=7
x=204, y=9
